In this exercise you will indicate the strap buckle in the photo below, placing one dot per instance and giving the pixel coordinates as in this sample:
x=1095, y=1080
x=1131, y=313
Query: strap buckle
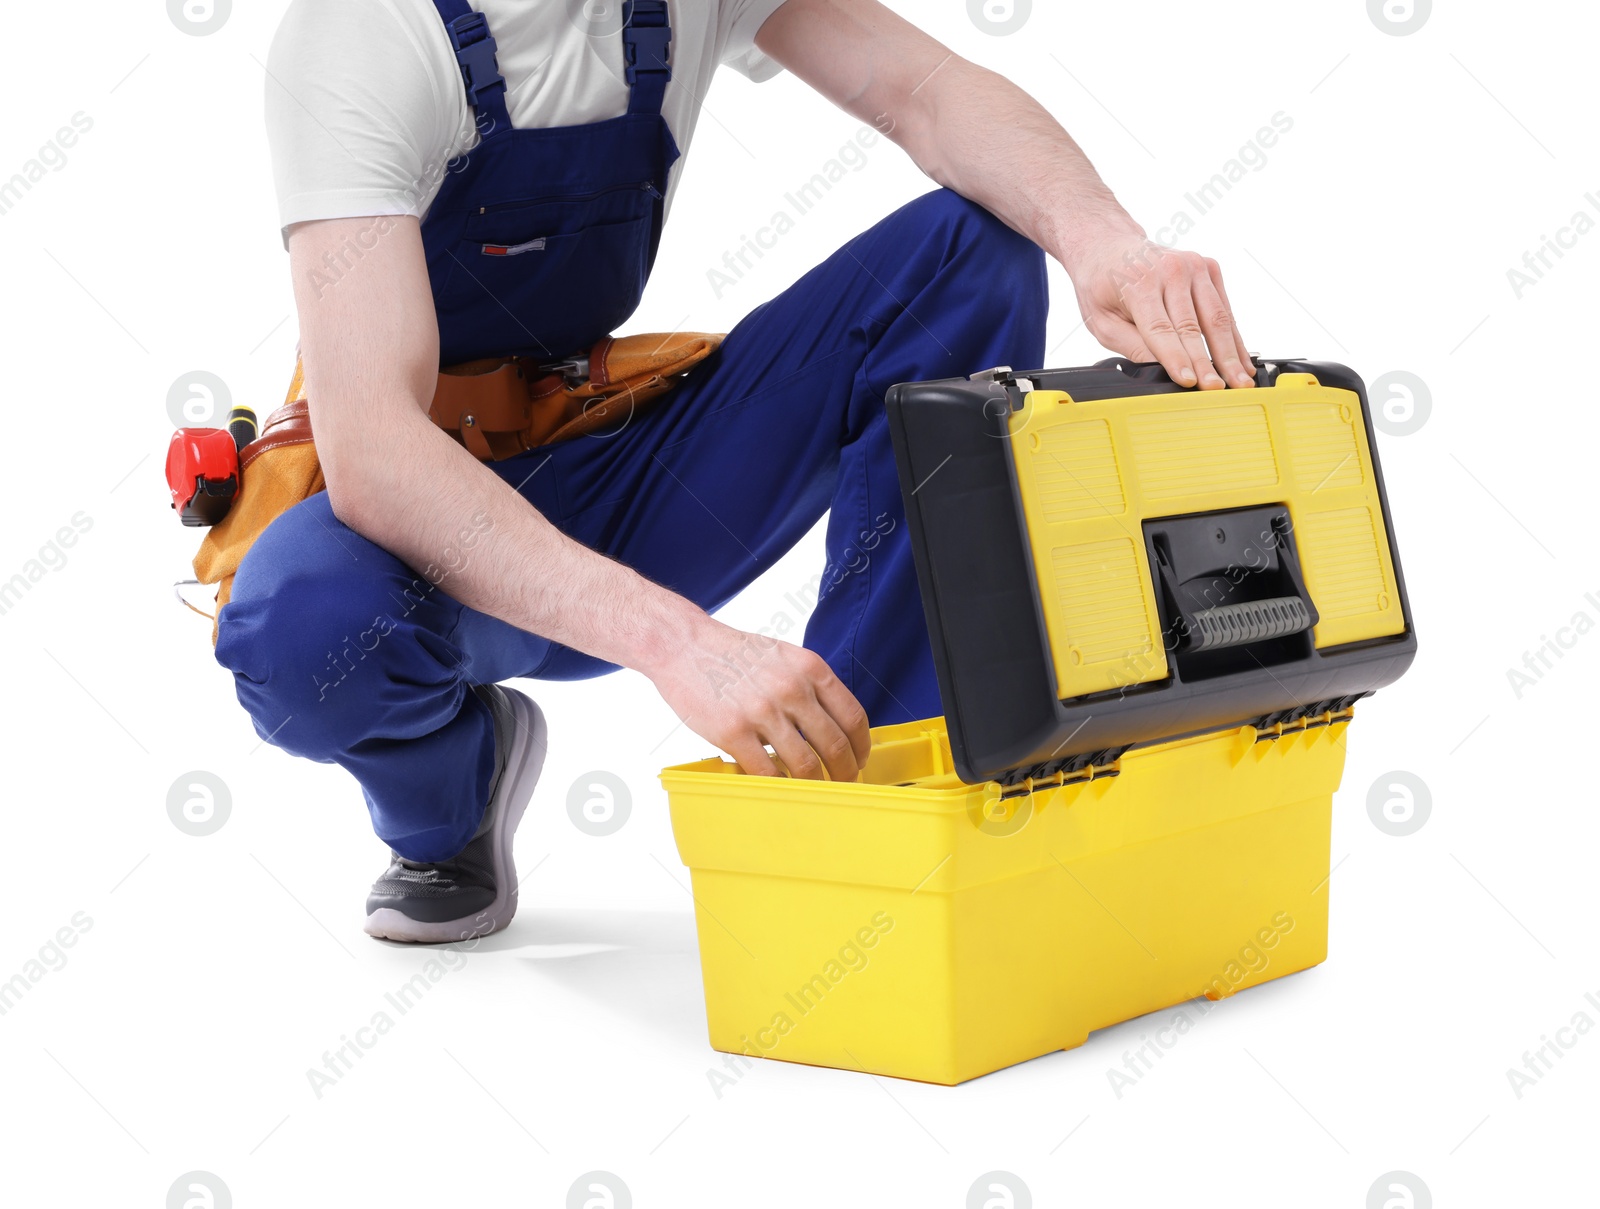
x=475, y=51
x=647, y=48
x=574, y=369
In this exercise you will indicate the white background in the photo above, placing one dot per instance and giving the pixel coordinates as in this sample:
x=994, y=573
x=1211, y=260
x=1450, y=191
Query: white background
x=176, y=1037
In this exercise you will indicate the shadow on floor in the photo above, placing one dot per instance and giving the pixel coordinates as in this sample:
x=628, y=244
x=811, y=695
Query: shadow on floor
x=642, y=965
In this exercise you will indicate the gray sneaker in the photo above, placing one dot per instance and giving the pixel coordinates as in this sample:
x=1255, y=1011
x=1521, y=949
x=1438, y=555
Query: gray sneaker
x=473, y=893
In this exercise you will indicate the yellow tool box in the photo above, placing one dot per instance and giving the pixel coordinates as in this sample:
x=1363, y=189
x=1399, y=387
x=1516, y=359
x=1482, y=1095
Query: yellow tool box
x=1152, y=611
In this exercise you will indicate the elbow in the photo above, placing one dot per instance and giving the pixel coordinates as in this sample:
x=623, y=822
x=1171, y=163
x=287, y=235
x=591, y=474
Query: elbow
x=350, y=497
x=917, y=132
x=370, y=470
x=354, y=491
x=372, y=479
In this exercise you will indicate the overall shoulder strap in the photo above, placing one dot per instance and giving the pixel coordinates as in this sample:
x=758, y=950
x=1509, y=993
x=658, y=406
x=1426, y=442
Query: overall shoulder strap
x=646, y=36
x=480, y=72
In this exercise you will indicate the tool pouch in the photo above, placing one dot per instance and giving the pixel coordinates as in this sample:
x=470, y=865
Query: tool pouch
x=505, y=406
x=496, y=409
x=276, y=471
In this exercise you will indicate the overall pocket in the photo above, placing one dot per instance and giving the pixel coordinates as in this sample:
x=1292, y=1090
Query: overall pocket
x=537, y=236
x=536, y=292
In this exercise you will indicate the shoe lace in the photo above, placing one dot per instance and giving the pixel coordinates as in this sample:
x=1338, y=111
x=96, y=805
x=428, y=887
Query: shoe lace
x=426, y=873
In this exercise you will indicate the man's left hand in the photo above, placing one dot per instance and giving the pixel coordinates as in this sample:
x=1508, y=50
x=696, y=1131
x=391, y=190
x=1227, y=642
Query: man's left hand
x=1151, y=303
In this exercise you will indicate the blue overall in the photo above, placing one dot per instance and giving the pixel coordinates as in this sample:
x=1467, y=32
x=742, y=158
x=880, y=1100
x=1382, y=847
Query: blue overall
x=540, y=241
x=342, y=653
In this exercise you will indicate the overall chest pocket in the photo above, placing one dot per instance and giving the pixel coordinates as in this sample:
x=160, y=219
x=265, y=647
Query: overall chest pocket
x=553, y=274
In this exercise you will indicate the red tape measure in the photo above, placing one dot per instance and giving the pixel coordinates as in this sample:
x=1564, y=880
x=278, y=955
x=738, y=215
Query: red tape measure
x=203, y=468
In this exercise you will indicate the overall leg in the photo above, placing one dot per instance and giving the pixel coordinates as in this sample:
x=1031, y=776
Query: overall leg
x=787, y=420
x=343, y=654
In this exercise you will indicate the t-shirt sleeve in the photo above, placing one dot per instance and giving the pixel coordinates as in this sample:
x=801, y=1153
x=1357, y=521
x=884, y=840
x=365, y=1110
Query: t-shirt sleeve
x=355, y=112
x=741, y=21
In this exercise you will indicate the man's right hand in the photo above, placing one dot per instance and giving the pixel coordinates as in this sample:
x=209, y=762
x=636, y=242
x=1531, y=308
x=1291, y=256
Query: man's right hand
x=742, y=691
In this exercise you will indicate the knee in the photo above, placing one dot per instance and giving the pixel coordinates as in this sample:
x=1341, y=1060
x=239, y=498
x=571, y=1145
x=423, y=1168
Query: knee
x=312, y=603
x=998, y=257
x=292, y=650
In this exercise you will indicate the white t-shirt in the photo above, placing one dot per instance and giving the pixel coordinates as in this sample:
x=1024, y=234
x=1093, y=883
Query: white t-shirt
x=365, y=104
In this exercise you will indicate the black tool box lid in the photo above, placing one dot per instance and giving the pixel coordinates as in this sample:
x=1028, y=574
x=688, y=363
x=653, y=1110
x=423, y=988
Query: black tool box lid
x=1193, y=607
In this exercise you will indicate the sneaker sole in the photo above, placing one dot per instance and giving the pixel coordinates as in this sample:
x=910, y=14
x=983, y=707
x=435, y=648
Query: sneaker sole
x=523, y=766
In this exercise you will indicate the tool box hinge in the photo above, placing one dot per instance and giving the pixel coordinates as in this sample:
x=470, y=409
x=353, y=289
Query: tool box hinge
x=1305, y=717
x=1090, y=766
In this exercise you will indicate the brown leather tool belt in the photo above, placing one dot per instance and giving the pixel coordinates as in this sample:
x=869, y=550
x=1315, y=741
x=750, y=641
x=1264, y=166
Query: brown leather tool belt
x=500, y=407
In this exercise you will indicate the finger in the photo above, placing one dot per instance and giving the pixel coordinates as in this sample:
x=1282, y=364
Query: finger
x=1148, y=311
x=753, y=758
x=1122, y=337
x=830, y=743
x=1178, y=296
x=1214, y=270
x=846, y=713
x=794, y=751
x=1216, y=321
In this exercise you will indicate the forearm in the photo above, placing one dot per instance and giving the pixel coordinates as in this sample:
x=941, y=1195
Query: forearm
x=468, y=534
x=979, y=134
x=965, y=126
